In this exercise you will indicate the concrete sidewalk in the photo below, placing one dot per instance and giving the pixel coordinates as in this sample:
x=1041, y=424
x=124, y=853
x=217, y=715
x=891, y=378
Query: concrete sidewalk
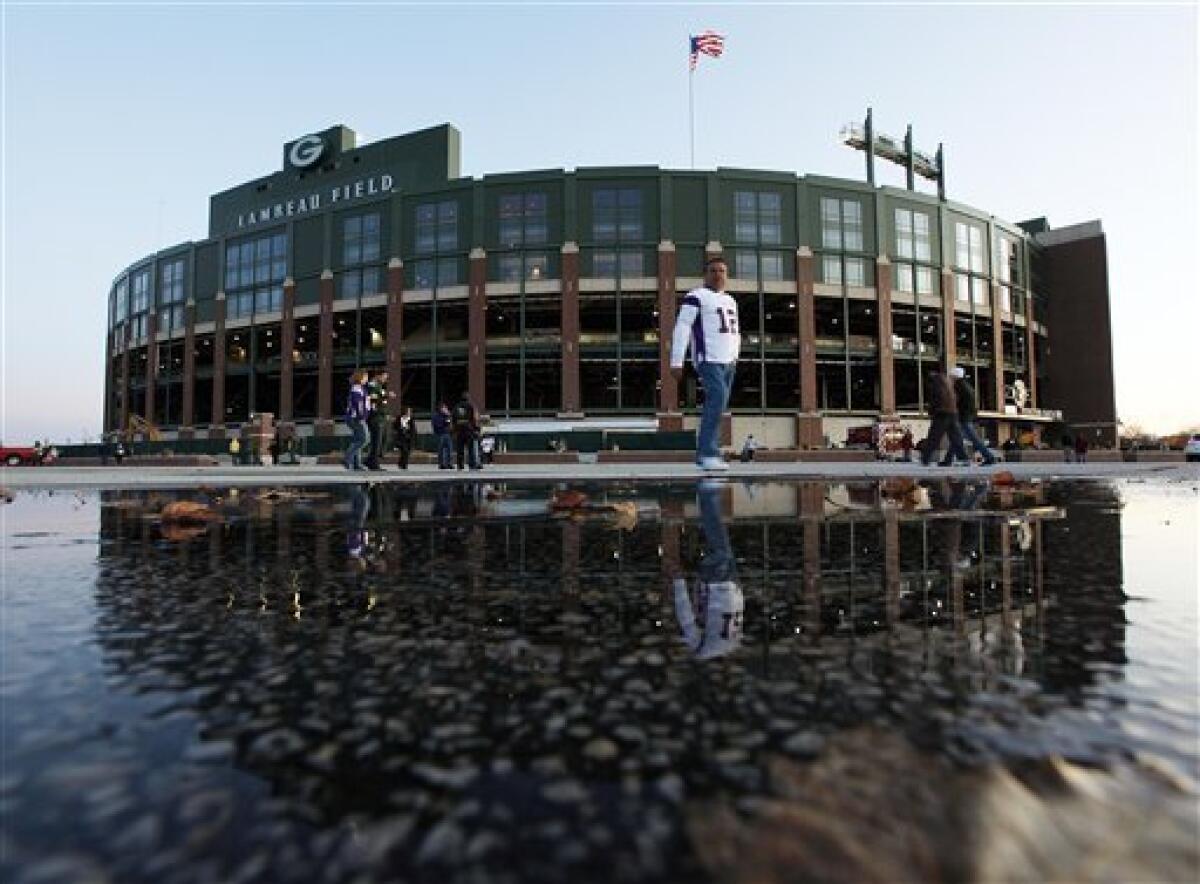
x=70, y=478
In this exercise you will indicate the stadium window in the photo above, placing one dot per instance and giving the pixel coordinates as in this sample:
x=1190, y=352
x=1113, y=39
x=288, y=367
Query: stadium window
x=841, y=224
x=360, y=239
x=831, y=269
x=170, y=284
x=924, y=280
x=771, y=264
x=855, y=272
x=436, y=227
x=758, y=217
x=617, y=215
x=523, y=219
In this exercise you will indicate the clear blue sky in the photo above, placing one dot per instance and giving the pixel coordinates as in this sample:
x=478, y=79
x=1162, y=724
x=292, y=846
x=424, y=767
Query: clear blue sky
x=120, y=121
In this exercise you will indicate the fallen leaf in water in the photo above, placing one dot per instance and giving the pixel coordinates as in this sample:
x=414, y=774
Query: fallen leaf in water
x=568, y=500
x=624, y=515
x=185, y=511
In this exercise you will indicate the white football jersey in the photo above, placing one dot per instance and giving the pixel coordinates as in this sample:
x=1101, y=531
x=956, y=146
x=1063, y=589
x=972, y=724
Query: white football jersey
x=707, y=320
x=710, y=618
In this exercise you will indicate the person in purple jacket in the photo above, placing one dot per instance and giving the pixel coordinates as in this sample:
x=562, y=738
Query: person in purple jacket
x=356, y=419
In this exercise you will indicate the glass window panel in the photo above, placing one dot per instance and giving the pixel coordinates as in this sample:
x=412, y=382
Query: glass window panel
x=632, y=264
x=924, y=280
x=423, y=274
x=509, y=268
x=979, y=291
x=921, y=236
x=604, y=265
x=855, y=272
x=831, y=269
x=852, y=225
x=536, y=265
x=351, y=284
x=962, y=289
x=745, y=264
x=772, y=266
x=447, y=271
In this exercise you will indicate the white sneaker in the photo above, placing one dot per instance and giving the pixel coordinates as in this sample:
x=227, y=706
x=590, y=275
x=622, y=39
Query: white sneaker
x=713, y=463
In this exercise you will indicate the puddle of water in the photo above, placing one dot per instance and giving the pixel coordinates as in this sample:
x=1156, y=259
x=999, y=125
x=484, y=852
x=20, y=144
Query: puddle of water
x=638, y=682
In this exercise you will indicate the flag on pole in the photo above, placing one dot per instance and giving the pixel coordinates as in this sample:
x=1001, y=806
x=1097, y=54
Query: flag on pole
x=709, y=43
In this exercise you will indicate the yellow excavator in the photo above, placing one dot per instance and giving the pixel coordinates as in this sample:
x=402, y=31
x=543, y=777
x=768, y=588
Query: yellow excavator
x=139, y=425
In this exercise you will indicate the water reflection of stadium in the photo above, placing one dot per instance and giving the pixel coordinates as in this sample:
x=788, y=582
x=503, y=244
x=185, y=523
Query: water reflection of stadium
x=815, y=560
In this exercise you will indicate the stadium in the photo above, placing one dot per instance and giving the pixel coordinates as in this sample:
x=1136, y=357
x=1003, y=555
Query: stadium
x=550, y=296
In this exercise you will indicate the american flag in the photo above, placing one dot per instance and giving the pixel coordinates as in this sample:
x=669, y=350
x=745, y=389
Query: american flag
x=710, y=43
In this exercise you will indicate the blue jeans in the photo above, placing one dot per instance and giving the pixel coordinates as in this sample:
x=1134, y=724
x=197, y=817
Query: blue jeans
x=718, y=564
x=358, y=441
x=970, y=435
x=717, y=379
x=445, y=451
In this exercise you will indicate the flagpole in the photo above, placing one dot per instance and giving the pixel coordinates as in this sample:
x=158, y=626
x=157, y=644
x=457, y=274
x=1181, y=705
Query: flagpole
x=692, y=112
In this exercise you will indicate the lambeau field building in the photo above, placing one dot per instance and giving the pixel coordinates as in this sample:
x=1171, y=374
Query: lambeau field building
x=551, y=295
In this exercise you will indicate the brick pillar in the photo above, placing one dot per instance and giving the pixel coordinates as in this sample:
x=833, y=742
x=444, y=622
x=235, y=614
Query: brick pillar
x=217, y=427
x=948, y=346
x=151, y=364
x=572, y=403
x=187, y=416
x=395, y=331
x=997, y=348
x=887, y=364
x=1031, y=352
x=124, y=378
x=808, y=418
x=891, y=567
x=477, y=329
x=287, y=344
x=669, y=415
x=323, y=426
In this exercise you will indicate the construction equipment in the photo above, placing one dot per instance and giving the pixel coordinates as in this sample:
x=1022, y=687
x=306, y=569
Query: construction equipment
x=138, y=424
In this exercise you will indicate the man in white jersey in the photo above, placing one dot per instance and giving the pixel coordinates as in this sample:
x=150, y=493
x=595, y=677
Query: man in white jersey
x=708, y=322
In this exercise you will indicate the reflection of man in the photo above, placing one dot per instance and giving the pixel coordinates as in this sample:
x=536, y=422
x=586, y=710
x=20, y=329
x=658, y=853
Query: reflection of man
x=710, y=615
x=356, y=526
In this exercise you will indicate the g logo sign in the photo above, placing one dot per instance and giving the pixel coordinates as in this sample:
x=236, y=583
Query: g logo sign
x=306, y=151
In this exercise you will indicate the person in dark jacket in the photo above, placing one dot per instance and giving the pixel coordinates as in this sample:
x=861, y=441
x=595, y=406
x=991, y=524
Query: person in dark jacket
x=1081, y=448
x=441, y=432
x=943, y=418
x=378, y=397
x=964, y=394
x=356, y=418
x=405, y=432
x=465, y=420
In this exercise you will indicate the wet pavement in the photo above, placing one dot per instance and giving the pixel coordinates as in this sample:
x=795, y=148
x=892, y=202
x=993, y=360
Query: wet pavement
x=957, y=679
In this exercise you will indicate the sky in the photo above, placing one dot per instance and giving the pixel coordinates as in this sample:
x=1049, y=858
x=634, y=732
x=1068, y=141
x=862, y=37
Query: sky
x=120, y=120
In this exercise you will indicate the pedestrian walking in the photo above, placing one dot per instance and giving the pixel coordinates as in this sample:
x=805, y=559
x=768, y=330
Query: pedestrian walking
x=1081, y=448
x=441, y=434
x=235, y=450
x=964, y=395
x=378, y=396
x=943, y=419
x=405, y=431
x=356, y=419
x=1068, y=447
x=708, y=324
x=465, y=420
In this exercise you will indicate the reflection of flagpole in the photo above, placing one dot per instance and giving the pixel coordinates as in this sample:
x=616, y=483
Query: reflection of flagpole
x=692, y=111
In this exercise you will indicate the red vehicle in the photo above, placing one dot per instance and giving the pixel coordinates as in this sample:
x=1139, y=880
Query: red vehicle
x=15, y=456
